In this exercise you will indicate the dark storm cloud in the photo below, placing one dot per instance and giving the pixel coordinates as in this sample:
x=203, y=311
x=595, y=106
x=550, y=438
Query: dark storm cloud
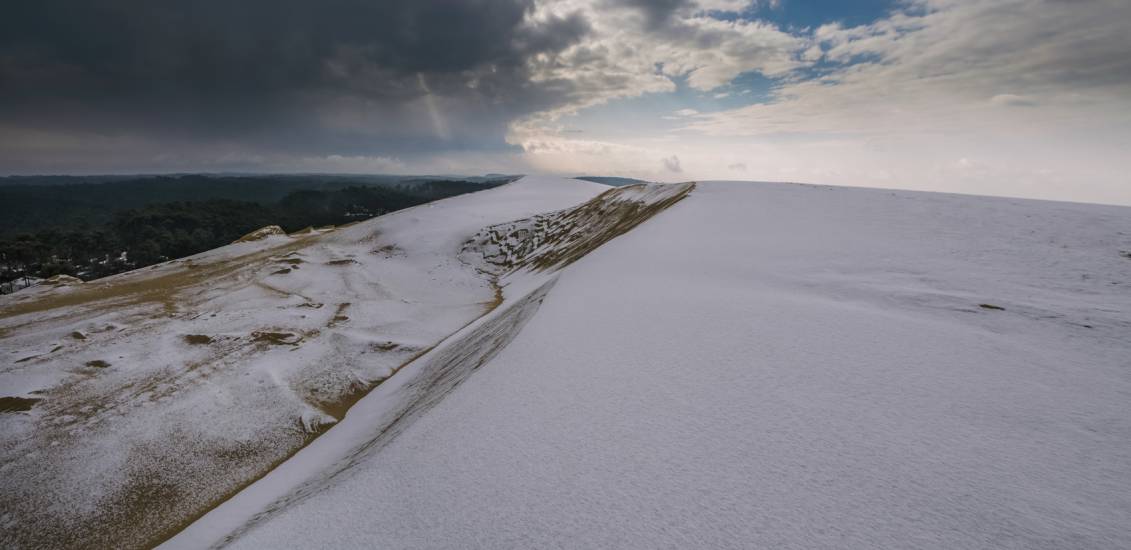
x=272, y=70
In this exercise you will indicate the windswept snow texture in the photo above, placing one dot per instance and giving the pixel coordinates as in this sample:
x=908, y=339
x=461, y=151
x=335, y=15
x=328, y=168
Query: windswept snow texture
x=784, y=366
x=534, y=249
x=135, y=403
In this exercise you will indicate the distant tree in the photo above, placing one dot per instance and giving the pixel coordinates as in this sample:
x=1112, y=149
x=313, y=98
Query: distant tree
x=146, y=252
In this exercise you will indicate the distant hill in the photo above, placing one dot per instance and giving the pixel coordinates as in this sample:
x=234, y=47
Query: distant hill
x=66, y=180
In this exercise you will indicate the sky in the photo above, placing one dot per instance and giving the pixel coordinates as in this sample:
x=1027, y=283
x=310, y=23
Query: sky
x=1028, y=98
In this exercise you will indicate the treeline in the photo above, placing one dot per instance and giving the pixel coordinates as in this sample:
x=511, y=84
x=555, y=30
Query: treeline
x=141, y=236
x=32, y=203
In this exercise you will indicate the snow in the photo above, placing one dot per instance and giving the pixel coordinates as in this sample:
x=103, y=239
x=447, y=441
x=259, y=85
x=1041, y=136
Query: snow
x=261, y=233
x=195, y=376
x=388, y=410
x=774, y=366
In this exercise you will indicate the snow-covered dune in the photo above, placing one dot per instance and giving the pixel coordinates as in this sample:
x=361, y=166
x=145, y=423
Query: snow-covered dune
x=780, y=366
x=134, y=403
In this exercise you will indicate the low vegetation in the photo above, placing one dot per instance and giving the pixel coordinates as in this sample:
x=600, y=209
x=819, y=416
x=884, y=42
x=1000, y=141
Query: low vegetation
x=557, y=239
x=101, y=229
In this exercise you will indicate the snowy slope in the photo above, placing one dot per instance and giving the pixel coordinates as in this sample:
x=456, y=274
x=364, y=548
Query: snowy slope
x=153, y=395
x=524, y=257
x=781, y=366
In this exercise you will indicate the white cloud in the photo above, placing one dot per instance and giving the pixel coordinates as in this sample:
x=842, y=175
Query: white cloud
x=624, y=57
x=1014, y=97
x=725, y=5
x=938, y=69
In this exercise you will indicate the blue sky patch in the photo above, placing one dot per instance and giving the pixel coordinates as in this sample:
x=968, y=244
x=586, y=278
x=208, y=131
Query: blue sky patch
x=800, y=14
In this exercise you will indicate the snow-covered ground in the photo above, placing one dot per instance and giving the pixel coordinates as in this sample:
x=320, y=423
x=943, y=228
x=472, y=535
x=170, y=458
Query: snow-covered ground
x=133, y=403
x=770, y=366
